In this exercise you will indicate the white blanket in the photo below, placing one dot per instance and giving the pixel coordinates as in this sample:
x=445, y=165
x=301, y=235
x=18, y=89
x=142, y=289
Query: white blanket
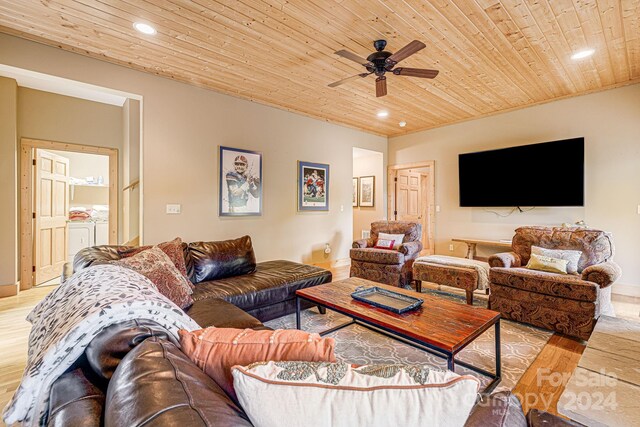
x=66, y=321
x=481, y=267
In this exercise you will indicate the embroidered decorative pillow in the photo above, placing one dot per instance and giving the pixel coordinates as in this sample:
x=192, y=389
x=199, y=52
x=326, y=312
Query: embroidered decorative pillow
x=156, y=266
x=384, y=244
x=572, y=257
x=339, y=394
x=397, y=239
x=174, y=251
x=545, y=263
x=216, y=350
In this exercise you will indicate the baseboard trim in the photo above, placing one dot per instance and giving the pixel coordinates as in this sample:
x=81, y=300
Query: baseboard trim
x=333, y=264
x=9, y=290
x=627, y=290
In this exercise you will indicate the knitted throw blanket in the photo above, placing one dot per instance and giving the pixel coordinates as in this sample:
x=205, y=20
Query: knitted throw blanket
x=66, y=321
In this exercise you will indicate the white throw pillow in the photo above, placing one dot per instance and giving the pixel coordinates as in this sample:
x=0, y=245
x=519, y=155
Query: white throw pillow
x=397, y=239
x=274, y=394
x=572, y=257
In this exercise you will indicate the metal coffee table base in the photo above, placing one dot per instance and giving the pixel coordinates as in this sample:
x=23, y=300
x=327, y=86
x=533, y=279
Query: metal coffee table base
x=496, y=376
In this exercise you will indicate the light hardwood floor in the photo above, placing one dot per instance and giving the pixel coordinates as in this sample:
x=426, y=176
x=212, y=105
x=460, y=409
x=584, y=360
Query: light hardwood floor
x=561, y=354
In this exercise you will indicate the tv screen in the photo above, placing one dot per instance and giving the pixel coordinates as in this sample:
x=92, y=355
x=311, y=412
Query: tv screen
x=547, y=174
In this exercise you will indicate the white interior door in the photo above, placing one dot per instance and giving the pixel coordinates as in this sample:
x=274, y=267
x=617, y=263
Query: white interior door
x=51, y=203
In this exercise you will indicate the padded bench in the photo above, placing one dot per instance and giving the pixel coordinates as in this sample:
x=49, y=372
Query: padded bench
x=461, y=273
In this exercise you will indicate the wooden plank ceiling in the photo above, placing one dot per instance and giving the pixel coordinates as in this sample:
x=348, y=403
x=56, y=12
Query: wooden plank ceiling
x=493, y=55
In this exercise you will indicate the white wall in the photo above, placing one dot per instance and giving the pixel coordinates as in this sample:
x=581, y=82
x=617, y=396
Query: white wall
x=183, y=127
x=610, y=123
x=82, y=165
x=369, y=163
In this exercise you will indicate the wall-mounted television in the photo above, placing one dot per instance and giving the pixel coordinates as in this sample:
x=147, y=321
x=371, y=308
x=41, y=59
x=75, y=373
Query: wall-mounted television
x=546, y=174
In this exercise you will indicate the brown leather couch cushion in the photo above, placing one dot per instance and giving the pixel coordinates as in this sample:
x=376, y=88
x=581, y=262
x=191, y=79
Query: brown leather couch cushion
x=74, y=400
x=107, y=349
x=157, y=385
x=95, y=255
x=500, y=409
x=272, y=282
x=221, y=314
x=217, y=260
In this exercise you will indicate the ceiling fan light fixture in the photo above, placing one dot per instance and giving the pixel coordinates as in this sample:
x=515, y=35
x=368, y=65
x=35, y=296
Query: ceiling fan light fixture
x=402, y=124
x=144, y=28
x=382, y=114
x=585, y=53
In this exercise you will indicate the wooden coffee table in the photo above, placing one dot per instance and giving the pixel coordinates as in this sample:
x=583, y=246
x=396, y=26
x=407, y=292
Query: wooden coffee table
x=439, y=326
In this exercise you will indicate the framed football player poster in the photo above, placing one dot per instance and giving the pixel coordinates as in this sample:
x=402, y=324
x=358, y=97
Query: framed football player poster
x=240, y=182
x=313, y=186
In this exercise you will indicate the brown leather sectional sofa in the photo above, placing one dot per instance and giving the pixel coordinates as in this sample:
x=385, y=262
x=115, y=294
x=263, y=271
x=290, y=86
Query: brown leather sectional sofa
x=227, y=272
x=132, y=374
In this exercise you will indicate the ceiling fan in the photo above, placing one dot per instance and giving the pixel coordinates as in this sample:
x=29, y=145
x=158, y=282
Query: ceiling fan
x=381, y=61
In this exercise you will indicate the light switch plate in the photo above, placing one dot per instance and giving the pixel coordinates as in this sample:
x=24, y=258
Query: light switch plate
x=173, y=209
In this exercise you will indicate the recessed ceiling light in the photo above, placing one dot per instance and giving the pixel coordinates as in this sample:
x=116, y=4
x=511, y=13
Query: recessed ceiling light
x=583, y=54
x=402, y=124
x=383, y=114
x=144, y=28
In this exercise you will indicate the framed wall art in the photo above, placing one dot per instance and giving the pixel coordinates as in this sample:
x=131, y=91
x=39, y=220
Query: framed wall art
x=240, y=182
x=313, y=186
x=367, y=191
x=354, y=196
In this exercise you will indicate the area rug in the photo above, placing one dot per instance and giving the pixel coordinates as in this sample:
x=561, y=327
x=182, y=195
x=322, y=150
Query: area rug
x=521, y=344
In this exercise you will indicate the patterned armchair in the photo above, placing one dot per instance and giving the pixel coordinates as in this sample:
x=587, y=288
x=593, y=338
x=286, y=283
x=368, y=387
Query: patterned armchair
x=567, y=303
x=384, y=265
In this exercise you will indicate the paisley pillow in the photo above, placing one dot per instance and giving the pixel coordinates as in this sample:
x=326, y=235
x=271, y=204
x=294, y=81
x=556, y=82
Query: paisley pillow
x=173, y=249
x=156, y=266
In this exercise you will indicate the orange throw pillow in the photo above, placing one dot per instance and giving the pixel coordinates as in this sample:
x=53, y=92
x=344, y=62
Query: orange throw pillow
x=216, y=350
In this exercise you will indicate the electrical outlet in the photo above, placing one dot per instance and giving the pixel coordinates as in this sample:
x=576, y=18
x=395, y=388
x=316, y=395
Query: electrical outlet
x=437, y=208
x=638, y=209
x=173, y=209
x=451, y=247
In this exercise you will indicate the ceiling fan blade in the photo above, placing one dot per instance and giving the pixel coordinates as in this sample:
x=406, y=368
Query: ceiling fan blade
x=405, y=52
x=416, y=72
x=381, y=86
x=353, y=57
x=339, y=82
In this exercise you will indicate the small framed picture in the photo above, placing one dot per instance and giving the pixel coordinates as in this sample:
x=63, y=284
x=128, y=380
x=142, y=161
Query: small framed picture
x=313, y=186
x=240, y=182
x=367, y=191
x=354, y=196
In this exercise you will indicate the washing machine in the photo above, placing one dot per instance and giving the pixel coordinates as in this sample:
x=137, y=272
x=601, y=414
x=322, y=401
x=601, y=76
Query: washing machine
x=82, y=234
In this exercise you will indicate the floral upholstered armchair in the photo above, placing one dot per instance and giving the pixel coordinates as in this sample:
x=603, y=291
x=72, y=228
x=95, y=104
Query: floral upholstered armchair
x=567, y=303
x=389, y=266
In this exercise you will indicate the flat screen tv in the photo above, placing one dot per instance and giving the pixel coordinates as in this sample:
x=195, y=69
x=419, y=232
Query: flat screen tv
x=546, y=174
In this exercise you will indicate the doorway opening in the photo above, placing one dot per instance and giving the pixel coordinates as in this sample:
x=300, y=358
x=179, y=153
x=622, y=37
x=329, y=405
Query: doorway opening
x=411, y=192
x=69, y=200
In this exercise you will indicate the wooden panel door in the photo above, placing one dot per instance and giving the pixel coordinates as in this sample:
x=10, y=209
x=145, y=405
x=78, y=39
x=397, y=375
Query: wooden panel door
x=409, y=200
x=51, y=203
